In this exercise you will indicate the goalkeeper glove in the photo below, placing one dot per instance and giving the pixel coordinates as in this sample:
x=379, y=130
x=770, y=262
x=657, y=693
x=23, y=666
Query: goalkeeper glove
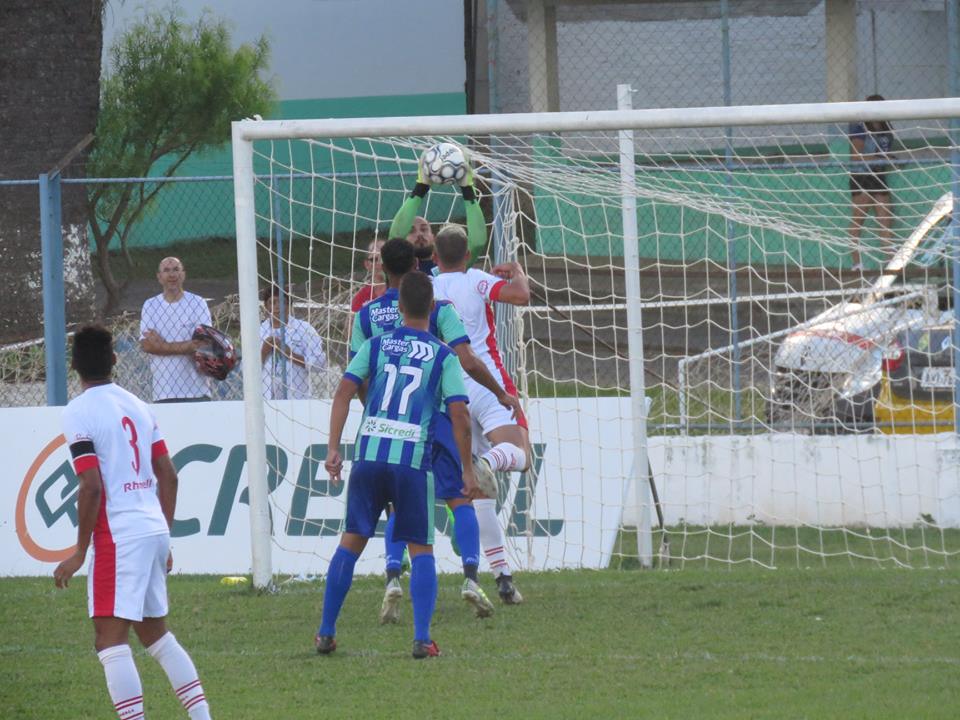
x=423, y=183
x=467, y=179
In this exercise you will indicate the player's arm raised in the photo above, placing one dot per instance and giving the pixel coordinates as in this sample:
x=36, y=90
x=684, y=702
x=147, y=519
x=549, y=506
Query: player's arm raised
x=403, y=220
x=476, y=224
x=517, y=289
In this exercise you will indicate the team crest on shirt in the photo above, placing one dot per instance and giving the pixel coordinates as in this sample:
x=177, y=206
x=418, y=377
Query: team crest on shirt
x=420, y=350
x=482, y=287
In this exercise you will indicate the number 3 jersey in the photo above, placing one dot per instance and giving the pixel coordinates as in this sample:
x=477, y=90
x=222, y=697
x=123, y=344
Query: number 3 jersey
x=412, y=378
x=110, y=428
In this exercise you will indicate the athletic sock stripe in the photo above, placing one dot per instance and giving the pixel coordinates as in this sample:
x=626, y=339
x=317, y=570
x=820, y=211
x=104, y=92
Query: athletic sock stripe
x=135, y=717
x=188, y=686
x=196, y=701
x=129, y=701
x=493, y=551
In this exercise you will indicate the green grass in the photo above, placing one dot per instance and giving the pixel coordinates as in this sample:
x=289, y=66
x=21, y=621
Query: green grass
x=835, y=642
x=691, y=546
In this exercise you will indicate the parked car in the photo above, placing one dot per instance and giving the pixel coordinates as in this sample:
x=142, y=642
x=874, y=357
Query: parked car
x=916, y=390
x=827, y=372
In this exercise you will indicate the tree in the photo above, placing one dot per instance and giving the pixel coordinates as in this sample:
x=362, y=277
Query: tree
x=172, y=90
x=50, y=85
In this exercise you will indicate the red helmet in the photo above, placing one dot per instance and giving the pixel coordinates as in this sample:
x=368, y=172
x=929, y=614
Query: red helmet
x=215, y=355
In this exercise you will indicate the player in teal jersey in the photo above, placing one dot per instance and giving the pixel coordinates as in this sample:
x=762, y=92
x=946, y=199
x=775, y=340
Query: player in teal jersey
x=408, y=223
x=411, y=377
x=380, y=316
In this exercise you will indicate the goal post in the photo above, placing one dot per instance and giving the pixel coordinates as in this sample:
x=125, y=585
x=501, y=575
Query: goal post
x=624, y=220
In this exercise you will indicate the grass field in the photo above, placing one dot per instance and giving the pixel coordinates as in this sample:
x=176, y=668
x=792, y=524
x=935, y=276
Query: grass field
x=825, y=643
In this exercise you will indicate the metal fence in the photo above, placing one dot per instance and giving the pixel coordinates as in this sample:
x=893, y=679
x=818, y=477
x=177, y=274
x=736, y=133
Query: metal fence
x=567, y=55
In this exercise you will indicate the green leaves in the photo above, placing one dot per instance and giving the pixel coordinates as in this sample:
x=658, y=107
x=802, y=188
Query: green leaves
x=172, y=89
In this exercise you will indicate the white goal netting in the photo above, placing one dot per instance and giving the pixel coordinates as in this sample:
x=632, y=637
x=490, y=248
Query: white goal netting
x=801, y=408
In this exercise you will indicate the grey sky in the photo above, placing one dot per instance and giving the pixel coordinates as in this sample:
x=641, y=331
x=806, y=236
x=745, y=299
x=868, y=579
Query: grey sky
x=338, y=48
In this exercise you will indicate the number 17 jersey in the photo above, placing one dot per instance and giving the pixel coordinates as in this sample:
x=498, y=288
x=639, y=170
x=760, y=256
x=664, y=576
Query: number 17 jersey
x=412, y=378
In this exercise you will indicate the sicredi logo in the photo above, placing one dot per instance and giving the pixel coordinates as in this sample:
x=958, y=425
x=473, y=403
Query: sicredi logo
x=47, y=505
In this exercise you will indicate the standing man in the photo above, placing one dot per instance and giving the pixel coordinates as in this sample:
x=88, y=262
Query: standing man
x=382, y=316
x=473, y=293
x=291, y=349
x=167, y=322
x=412, y=377
x=125, y=504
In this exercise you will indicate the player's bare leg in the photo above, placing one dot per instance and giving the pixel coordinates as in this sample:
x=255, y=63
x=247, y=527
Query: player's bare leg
x=123, y=680
x=508, y=452
x=176, y=663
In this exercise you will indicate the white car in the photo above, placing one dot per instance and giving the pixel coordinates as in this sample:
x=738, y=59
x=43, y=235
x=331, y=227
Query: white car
x=828, y=369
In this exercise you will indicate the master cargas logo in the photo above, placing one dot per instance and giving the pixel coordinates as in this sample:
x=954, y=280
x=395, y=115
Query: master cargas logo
x=394, y=346
x=46, y=510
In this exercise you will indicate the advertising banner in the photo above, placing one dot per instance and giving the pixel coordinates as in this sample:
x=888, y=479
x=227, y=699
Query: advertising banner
x=565, y=512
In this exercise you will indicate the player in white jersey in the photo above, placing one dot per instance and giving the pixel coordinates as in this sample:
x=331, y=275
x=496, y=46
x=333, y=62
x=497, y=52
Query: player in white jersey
x=501, y=441
x=125, y=505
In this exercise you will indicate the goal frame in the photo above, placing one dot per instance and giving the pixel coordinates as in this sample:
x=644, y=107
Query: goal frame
x=246, y=132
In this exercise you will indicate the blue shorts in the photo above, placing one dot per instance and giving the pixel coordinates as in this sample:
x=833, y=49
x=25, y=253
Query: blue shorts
x=447, y=470
x=373, y=484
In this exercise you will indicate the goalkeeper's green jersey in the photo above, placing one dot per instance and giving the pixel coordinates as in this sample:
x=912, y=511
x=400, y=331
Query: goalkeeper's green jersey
x=476, y=226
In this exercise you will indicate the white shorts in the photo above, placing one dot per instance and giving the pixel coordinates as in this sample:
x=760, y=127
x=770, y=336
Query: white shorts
x=487, y=413
x=128, y=579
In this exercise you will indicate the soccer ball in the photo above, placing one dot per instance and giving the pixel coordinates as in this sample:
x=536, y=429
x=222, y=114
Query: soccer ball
x=444, y=164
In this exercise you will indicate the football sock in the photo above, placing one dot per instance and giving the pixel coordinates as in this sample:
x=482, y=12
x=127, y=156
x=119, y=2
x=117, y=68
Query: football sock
x=491, y=536
x=452, y=529
x=123, y=681
x=467, y=534
x=423, y=594
x=394, y=550
x=182, y=674
x=339, y=579
x=505, y=457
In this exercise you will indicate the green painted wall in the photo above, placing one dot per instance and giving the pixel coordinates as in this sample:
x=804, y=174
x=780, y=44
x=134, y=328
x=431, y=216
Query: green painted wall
x=194, y=211
x=816, y=199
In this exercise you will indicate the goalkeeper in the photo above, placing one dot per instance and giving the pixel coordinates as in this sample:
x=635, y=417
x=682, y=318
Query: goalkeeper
x=409, y=224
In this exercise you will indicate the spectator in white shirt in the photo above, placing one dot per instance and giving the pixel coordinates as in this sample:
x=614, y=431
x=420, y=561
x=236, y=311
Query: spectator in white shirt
x=167, y=322
x=291, y=349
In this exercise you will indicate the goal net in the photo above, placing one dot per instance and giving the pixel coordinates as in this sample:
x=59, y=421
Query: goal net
x=696, y=314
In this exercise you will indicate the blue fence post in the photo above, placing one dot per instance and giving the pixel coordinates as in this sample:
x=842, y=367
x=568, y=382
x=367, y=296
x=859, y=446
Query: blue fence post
x=54, y=302
x=953, y=72
x=731, y=243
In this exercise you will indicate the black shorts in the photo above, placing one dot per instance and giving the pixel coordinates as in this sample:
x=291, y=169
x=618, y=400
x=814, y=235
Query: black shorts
x=869, y=183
